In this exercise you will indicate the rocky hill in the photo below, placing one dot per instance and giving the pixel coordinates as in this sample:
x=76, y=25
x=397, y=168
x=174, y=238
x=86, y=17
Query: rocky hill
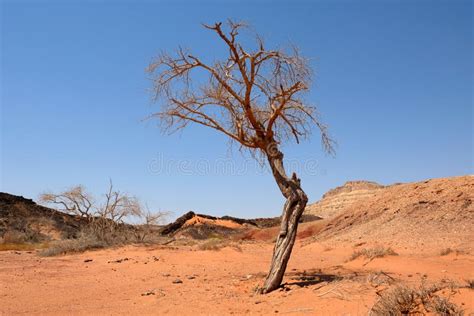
x=22, y=220
x=200, y=226
x=336, y=200
x=439, y=212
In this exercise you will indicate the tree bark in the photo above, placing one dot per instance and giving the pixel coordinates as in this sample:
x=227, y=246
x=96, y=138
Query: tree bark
x=295, y=204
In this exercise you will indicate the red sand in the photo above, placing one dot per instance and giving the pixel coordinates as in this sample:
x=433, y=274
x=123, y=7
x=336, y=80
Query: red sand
x=213, y=282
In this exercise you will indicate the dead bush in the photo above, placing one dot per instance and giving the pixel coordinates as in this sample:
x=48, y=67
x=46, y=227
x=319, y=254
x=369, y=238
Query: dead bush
x=106, y=218
x=81, y=244
x=109, y=232
x=149, y=229
x=372, y=253
x=443, y=306
x=403, y=300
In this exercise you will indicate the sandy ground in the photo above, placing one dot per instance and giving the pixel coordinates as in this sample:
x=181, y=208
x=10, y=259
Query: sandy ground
x=140, y=280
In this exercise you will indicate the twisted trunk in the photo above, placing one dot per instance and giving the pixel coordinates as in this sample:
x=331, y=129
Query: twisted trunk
x=295, y=204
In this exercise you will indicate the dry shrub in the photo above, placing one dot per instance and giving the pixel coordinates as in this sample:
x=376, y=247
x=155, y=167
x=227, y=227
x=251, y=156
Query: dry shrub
x=215, y=244
x=99, y=233
x=149, y=230
x=447, y=251
x=81, y=244
x=372, y=253
x=443, y=306
x=403, y=300
x=108, y=231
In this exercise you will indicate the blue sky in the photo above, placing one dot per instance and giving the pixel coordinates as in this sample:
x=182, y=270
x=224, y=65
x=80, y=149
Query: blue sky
x=393, y=81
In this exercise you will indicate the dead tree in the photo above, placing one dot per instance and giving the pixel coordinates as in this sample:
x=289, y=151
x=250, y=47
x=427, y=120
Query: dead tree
x=255, y=97
x=150, y=222
x=106, y=218
x=118, y=206
x=74, y=201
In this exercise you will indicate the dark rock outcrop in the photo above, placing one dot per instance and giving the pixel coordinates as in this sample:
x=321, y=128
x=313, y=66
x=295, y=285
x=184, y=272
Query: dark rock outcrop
x=22, y=220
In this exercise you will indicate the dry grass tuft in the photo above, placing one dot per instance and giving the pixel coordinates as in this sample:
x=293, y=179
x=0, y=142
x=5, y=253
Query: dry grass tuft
x=216, y=244
x=82, y=244
x=372, y=253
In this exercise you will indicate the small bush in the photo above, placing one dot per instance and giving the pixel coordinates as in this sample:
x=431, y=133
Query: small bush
x=401, y=300
x=372, y=253
x=81, y=244
x=443, y=306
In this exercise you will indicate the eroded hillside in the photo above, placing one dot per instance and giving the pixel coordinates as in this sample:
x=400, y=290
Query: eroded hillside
x=439, y=212
x=336, y=200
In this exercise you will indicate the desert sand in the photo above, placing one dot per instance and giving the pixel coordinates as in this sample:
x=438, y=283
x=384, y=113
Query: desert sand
x=146, y=280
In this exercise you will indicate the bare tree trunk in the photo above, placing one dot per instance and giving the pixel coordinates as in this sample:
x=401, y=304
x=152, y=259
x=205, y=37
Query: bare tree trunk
x=295, y=204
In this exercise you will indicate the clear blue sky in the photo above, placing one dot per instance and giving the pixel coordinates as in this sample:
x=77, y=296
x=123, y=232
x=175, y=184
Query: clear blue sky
x=393, y=81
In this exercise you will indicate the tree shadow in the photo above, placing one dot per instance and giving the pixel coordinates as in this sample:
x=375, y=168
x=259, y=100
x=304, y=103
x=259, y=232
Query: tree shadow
x=309, y=278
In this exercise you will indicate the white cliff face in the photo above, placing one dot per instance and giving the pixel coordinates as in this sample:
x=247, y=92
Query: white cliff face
x=336, y=200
